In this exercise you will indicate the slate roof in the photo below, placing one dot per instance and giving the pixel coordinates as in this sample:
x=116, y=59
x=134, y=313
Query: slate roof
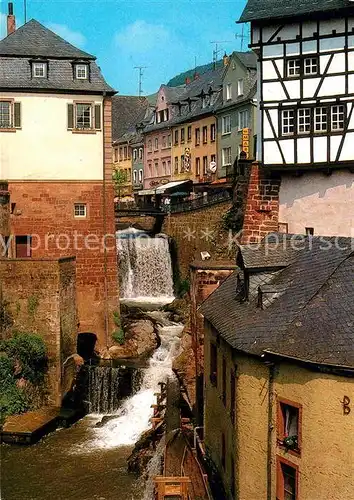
x=249, y=58
x=33, y=40
x=127, y=112
x=308, y=306
x=257, y=10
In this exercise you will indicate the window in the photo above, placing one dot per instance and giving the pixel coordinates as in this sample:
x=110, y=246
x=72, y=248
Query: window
x=243, y=119
x=80, y=210
x=168, y=167
x=212, y=132
x=213, y=363
x=164, y=141
x=224, y=380
x=226, y=125
x=169, y=140
x=213, y=158
x=205, y=101
x=321, y=119
x=311, y=66
x=337, y=117
x=125, y=155
x=135, y=176
x=287, y=480
x=289, y=425
x=164, y=168
x=197, y=166
x=283, y=227
x=226, y=157
x=115, y=155
x=205, y=135
x=150, y=168
x=182, y=135
x=121, y=157
x=287, y=121
x=149, y=146
x=135, y=154
x=156, y=166
x=5, y=114
x=228, y=91
x=166, y=115
x=81, y=71
x=176, y=137
x=83, y=116
x=39, y=70
x=140, y=175
x=223, y=450
x=140, y=153
x=197, y=136
x=205, y=165
x=240, y=87
x=176, y=164
x=293, y=67
x=309, y=231
x=182, y=164
x=23, y=246
x=156, y=144
x=189, y=133
x=304, y=121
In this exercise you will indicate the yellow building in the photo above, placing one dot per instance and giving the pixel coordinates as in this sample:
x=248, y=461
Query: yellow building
x=279, y=375
x=194, y=150
x=122, y=162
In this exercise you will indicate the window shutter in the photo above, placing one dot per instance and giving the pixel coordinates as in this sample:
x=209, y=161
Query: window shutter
x=17, y=114
x=98, y=116
x=70, y=116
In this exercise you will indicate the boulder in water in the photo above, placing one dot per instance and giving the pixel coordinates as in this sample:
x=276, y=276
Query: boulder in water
x=141, y=340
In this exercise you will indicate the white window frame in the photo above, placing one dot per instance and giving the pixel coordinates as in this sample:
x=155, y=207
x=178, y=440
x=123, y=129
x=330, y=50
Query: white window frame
x=228, y=91
x=9, y=124
x=337, y=117
x=140, y=153
x=240, y=86
x=39, y=66
x=293, y=68
x=243, y=119
x=140, y=175
x=311, y=65
x=226, y=156
x=321, y=119
x=304, y=120
x=287, y=122
x=226, y=125
x=90, y=106
x=135, y=154
x=156, y=144
x=80, y=210
x=134, y=176
x=81, y=71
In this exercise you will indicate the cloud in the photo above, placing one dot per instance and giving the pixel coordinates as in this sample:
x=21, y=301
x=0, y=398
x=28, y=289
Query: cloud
x=71, y=36
x=141, y=37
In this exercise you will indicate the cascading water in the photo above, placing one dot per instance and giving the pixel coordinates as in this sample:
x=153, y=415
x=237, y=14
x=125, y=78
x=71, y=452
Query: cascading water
x=133, y=417
x=145, y=266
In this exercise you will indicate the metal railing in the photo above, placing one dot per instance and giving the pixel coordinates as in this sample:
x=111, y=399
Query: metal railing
x=197, y=203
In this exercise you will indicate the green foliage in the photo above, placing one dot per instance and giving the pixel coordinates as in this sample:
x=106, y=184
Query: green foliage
x=29, y=352
x=119, y=336
x=12, y=399
x=32, y=304
x=200, y=70
x=232, y=219
x=119, y=179
x=6, y=320
x=183, y=287
x=116, y=318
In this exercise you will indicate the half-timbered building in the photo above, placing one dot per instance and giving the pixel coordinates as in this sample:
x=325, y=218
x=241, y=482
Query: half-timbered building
x=306, y=109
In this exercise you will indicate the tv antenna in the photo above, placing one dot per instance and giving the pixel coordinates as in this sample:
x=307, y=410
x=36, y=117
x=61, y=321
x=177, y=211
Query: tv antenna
x=217, y=50
x=141, y=73
x=242, y=36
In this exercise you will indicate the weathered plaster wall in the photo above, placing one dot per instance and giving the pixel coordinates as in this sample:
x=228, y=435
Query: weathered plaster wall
x=323, y=202
x=42, y=299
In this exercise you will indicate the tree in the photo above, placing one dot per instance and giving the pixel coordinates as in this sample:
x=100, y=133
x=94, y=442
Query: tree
x=119, y=179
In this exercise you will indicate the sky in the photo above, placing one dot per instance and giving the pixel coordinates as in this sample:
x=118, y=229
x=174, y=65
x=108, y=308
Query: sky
x=166, y=36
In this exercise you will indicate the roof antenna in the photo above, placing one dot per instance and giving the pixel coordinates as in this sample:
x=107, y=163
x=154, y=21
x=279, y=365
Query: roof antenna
x=140, y=68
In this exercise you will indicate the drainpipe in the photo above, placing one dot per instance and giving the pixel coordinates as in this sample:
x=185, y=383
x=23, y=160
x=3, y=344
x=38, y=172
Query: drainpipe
x=270, y=428
x=104, y=209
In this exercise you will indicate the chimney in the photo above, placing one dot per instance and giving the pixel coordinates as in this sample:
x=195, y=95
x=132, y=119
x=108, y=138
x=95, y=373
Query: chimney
x=225, y=59
x=11, y=20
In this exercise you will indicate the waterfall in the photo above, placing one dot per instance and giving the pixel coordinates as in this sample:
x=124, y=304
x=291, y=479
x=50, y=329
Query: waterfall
x=108, y=386
x=133, y=416
x=145, y=266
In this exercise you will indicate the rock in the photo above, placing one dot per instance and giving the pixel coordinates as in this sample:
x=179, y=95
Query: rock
x=105, y=419
x=143, y=451
x=140, y=341
x=125, y=351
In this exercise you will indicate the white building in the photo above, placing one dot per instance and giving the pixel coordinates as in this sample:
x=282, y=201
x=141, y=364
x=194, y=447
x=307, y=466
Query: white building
x=306, y=109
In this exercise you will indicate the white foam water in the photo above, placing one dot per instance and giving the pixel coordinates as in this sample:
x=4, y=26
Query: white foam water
x=133, y=417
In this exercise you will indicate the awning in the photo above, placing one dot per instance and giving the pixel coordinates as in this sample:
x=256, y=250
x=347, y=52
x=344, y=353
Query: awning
x=171, y=185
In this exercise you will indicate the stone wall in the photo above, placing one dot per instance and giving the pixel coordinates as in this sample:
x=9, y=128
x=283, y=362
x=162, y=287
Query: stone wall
x=4, y=211
x=42, y=299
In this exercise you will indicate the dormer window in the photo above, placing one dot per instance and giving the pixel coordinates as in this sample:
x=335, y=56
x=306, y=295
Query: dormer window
x=39, y=69
x=81, y=71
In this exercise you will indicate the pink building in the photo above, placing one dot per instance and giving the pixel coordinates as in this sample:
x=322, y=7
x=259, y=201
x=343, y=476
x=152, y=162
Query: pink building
x=158, y=139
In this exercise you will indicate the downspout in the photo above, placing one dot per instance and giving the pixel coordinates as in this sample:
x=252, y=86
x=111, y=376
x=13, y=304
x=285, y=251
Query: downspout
x=270, y=429
x=104, y=208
